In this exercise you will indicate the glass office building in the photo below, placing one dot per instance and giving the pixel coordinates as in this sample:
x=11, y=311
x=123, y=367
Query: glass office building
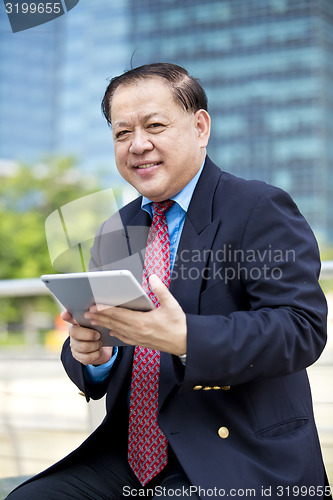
x=266, y=66
x=267, y=69
x=95, y=47
x=52, y=79
x=28, y=86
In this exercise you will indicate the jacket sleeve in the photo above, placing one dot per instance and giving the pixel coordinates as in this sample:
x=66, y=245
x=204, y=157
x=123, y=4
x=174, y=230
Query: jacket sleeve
x=280, y=327
x=75, y=371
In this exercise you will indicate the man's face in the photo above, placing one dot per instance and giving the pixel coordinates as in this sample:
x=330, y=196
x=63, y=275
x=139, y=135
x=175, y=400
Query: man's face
x=159, y=147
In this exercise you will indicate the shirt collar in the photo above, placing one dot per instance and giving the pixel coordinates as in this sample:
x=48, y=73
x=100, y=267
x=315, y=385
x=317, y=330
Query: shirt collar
x=182, y=198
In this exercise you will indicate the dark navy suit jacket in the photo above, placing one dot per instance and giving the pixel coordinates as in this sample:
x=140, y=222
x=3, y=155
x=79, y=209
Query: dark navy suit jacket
x=239, y=415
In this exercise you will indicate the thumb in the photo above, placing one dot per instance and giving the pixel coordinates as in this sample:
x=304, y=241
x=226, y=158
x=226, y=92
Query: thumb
x=160, y=290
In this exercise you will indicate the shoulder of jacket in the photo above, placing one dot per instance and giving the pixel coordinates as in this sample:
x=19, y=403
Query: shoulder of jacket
x=119, y=219
x=247, y=188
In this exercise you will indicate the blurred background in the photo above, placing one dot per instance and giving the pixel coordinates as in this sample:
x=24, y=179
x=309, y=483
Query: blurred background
x=267, y=68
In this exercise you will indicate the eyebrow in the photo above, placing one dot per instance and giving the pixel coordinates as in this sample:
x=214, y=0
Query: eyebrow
x=145, y=118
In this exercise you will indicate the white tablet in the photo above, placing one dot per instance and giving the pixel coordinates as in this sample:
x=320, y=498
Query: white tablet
x=77, y=292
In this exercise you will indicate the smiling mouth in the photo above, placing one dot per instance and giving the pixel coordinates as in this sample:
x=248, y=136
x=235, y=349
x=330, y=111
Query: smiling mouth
x=148, y=165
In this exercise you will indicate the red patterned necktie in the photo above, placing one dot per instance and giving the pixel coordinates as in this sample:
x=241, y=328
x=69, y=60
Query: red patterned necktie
x=147, y=445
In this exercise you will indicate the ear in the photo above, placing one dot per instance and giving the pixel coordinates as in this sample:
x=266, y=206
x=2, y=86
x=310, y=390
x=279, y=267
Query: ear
x=202, y=125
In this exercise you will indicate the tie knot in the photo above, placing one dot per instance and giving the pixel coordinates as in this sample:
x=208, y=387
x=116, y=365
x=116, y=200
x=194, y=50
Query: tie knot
x=160, y=207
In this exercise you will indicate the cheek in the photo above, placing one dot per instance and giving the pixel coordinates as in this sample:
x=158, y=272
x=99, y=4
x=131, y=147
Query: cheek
x=120, y=155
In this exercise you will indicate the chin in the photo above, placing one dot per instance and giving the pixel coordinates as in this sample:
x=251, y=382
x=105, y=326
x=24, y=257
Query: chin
x=152, y=194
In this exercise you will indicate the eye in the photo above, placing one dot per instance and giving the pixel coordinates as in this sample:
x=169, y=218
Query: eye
x=156, y=126
x=121, y=134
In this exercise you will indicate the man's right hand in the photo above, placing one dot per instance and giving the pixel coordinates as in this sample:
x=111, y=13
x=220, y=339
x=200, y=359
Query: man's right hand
x=85, y=343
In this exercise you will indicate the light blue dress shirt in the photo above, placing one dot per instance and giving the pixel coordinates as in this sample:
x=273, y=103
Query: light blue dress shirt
x=175, y=218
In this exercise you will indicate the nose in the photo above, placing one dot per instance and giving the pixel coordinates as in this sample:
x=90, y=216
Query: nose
x=140, y=143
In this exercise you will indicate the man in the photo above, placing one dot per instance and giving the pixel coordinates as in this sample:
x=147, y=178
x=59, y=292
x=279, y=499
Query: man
x=240, y=316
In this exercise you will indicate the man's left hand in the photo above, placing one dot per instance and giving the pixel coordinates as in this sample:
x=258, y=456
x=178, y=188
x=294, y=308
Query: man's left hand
x=163, y=328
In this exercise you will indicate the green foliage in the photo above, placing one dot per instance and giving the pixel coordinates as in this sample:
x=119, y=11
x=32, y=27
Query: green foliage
x=27, y=198
x=326, y=252
x=327, y=286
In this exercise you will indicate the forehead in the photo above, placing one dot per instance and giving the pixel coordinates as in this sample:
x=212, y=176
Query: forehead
x=150, y=95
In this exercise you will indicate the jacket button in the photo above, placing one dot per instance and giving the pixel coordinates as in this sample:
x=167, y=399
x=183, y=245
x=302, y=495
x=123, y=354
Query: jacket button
x=226, y=388
x=197, y=387
x=223, y=432
x=207, y=388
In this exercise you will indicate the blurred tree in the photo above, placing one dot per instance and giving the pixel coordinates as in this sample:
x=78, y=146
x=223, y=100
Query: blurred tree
x=27, y=197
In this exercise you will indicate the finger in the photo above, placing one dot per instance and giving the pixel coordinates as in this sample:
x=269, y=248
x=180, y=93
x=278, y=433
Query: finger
x=90, y=358
x=124, y=324
x=85, y=347
x=111, y=317
x=100, y=308
x=161, y=291
x=66, y=316
x=83, y=334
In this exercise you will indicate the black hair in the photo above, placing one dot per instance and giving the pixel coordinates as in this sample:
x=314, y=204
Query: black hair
x=187, y=90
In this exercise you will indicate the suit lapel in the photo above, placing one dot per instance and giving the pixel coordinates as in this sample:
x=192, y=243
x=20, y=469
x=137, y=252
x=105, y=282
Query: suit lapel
x=198, y=234
x=189, y=269
x=134, y=233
